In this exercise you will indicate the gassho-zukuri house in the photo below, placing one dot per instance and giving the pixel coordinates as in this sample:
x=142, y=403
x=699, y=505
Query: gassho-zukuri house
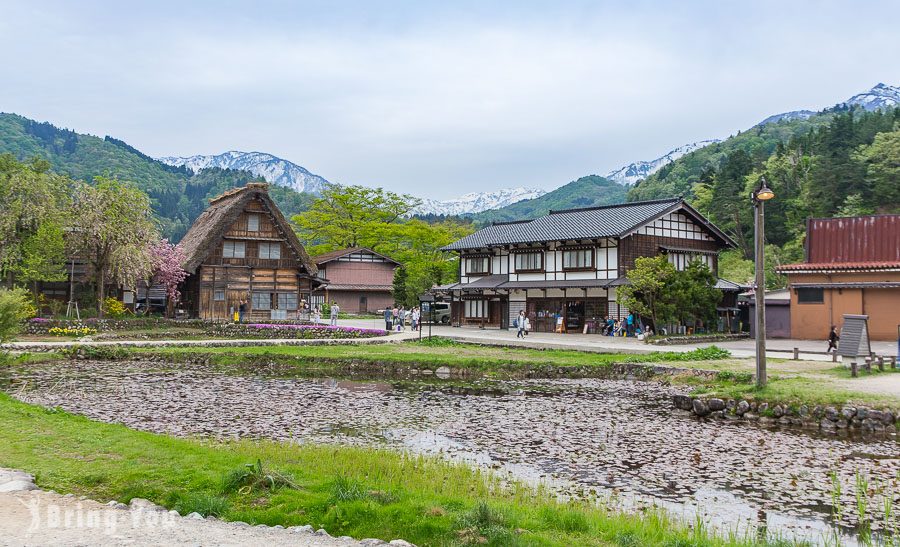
x=571, y=262
x=241, y=248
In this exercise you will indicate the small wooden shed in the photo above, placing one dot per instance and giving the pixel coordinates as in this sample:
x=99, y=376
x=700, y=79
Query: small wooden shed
x=242, y=248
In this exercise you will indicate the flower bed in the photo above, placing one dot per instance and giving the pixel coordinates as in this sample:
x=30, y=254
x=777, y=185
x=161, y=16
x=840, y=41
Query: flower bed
x=288, y=330
x=41, y=325
x=71, y=331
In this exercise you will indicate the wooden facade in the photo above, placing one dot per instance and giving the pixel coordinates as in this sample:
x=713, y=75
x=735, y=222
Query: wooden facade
x=242, y=249
x=564, y=273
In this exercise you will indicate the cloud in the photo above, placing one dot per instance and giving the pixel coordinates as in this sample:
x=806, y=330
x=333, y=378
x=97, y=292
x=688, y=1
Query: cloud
x=434, y=98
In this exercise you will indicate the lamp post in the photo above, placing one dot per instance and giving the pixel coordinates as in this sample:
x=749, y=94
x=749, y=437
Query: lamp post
x=760, y=196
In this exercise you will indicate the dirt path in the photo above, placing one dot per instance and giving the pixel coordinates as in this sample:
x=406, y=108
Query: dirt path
x=33, y=517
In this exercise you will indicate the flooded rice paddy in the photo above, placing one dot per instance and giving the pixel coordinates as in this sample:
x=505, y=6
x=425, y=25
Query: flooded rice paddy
x=611, y=439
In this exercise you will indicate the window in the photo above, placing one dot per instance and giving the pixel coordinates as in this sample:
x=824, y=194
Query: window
x=219, y=296
x=270, y=250
x=233, y=249
x=476, y=309
x=810, y=296
x=262, y=301
x=478, y=265
x=252, y=223
x=287, y=301
x=578, y=259
x=529, y=262
x=681, y=260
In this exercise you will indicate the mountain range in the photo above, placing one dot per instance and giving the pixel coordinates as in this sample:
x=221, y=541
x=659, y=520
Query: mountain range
x=638, y=170
x=274, y=169
x=476, y=202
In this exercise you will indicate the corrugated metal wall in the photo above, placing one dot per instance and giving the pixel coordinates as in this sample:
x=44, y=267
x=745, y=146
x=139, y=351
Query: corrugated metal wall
x=854, y=239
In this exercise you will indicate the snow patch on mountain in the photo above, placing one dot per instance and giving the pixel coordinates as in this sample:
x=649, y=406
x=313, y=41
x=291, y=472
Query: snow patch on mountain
x=274, y=169
x=477, y=202
x=880, y=96
x=639, y=170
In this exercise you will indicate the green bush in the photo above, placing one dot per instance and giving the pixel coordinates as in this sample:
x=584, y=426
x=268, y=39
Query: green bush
x=114, y=308
x=15, y=307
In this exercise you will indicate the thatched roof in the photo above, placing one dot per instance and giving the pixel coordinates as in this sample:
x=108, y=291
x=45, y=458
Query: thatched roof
x=223, y=211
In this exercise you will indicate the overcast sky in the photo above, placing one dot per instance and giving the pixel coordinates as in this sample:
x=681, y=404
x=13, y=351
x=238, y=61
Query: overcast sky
x=436, y=98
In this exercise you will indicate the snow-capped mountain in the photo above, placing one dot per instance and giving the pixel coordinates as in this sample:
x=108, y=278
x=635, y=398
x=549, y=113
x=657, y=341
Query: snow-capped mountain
x=638, y=170
x=275, y=170
x=880, y=96
x=477, y=202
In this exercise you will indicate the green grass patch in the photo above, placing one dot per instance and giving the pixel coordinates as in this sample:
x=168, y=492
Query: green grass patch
x=348, y=491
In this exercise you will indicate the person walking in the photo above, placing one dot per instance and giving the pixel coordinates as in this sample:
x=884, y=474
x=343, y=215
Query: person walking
x=388, y=319
x=832, y=339
x=527, y=325
x=629, y=325
x=520, y=325
x=416, y=315
x=317, y=315
x=335, y=310
x=242, y=309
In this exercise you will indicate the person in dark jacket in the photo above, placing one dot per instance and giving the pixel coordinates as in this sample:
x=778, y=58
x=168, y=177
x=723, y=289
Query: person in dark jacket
x=832, y=339
x=388, y=319
x=242, y=309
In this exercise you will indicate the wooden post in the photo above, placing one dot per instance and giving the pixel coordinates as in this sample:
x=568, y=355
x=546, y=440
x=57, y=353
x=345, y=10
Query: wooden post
x=854, y=370
x=893, y=362
x=881, y=364
x=868, y=364
x=796, y=354
x=834, y=356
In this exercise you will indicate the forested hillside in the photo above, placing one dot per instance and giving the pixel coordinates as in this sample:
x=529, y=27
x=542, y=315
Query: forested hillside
x=588, y=191
x=839, y=163
x=177, y=194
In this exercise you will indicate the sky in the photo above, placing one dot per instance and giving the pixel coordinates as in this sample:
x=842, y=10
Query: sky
x=436, y=98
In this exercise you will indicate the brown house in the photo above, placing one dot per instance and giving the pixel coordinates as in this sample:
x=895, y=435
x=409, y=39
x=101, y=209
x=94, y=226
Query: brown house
x=852, y=267
x=242, y=249
x=358, y=279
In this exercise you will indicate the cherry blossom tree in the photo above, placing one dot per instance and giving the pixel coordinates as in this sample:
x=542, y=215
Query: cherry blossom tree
x=167, y=262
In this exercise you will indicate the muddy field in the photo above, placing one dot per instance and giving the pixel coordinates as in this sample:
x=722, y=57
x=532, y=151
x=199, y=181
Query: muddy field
x=607, y=438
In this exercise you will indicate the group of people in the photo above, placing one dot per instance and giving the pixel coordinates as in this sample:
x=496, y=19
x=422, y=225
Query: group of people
x=333, y=312
x=398, y=317
x=630, y=326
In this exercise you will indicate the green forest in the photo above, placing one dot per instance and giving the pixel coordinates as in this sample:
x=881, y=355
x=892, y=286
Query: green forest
x=177, y=195
x=841, y=162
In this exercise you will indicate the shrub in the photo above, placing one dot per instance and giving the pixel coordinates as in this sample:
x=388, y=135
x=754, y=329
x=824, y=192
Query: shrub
x=114, y=308
x=252, y=477
x=15, y=308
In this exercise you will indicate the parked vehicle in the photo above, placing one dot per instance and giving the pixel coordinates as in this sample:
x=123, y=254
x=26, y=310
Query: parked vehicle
x=441, y=313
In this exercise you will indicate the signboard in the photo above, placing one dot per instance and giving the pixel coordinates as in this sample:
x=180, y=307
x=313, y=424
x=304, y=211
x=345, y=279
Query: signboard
x=854, y=343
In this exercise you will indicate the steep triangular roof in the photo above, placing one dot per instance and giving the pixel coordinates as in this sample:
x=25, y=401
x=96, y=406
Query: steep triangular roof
x=223, y=211
x=334, y=255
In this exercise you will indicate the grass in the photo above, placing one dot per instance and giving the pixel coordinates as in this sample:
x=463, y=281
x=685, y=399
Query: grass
x=438, y=352
x=348, y=491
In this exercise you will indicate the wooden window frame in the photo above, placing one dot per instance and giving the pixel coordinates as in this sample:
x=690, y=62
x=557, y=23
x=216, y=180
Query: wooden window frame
x=269, y=245
x=286, y=294
x=539, y=252
x=465, y=262
x=234, y=246
x=253, y=298
x=216, y=293
x=481, y=305
x=590, y=267
x=253, y=216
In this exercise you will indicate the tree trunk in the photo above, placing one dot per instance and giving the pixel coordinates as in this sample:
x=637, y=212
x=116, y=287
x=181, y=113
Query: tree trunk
x=101, y=287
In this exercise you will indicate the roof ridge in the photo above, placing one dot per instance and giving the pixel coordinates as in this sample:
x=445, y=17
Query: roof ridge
x=264, y=186
x=508, y=222
x=614, y=205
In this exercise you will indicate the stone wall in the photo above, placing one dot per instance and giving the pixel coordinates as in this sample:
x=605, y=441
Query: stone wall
x=825, y=418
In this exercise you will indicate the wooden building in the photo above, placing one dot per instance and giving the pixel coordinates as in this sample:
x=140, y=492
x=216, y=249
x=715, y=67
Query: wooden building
x=358, y=279
x=242, y=248
x=563, y=269
x=852, y=267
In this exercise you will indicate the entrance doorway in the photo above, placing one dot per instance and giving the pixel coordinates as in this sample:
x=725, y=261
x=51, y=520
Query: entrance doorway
x=574, y=315
x=363, y=304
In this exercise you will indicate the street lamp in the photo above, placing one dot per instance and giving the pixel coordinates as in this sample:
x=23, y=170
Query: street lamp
x=759, y=197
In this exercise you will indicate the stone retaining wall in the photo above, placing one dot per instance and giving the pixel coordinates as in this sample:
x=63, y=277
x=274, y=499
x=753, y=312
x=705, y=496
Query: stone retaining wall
x=825, y=418
x=678, y=340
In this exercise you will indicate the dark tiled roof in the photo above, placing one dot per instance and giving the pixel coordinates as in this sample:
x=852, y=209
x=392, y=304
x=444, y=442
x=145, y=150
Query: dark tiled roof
x=357, y=287
x=588, y=223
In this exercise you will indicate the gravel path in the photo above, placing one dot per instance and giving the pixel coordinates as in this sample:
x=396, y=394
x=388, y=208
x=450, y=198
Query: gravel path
x=29, y=516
